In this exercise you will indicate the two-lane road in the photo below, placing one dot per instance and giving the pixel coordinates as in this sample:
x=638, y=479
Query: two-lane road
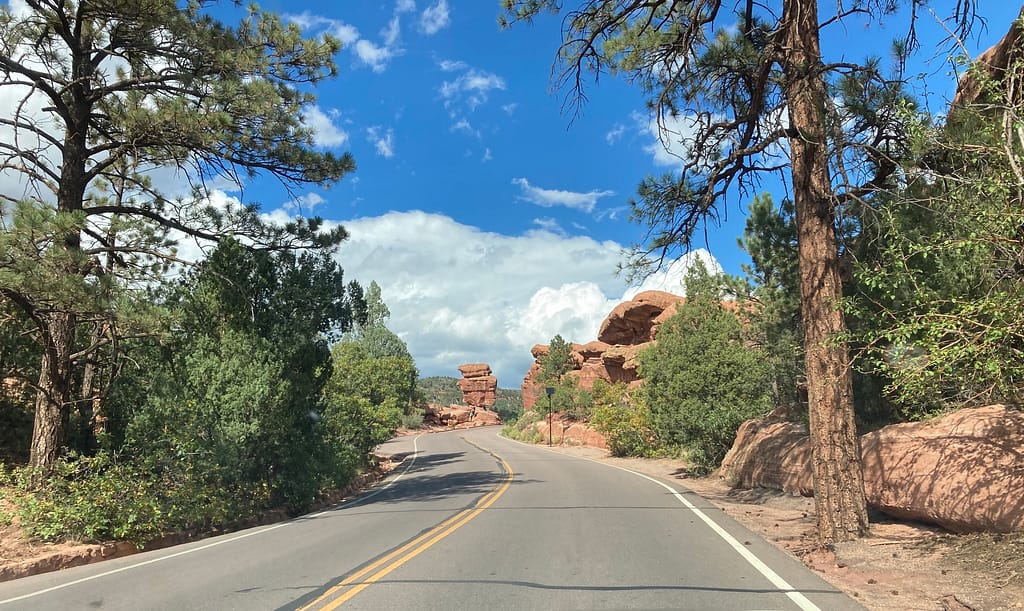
x=468, y=521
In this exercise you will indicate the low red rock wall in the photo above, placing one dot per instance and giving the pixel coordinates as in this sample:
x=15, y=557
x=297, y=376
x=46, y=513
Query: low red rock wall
x=963, y=471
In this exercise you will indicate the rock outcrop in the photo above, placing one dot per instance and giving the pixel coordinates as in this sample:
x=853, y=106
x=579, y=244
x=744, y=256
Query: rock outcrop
x=458, y=416
x=565, y=431
x=479, y=388
x=963, y=471
x=992, y=64
x=635, y=322
x=629, y=327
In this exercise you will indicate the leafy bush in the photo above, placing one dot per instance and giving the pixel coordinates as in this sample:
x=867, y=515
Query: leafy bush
x=98, y=499
x=518, y=430
x=625, y=424
x=701, y=379
x=412, y=421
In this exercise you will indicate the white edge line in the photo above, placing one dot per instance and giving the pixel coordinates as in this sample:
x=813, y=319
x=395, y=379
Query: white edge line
x=415, y=445
x=797, y=597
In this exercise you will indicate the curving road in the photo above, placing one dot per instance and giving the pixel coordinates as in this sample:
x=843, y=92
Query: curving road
x=469, y=520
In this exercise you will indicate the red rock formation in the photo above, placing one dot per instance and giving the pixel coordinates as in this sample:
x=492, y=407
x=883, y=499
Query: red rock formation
x=565, y=431
x=613, y=356
x=479, y=388
x=531, y=389
x=963, y=471
x=994, y=63
x=633, y=322
x=458, y=416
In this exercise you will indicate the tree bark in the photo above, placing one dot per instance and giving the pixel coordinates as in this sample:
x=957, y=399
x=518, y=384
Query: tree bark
x=53, y=397
x=58, y=329
x=838, y=476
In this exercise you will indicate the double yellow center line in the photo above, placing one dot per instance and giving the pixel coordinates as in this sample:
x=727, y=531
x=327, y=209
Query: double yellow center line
x=377, y=570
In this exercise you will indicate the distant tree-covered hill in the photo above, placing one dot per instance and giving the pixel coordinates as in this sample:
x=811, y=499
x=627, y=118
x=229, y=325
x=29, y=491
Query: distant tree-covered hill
x=444, y=390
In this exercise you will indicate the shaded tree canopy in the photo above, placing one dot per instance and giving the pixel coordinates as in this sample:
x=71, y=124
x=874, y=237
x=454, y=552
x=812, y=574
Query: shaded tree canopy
x=110, y=94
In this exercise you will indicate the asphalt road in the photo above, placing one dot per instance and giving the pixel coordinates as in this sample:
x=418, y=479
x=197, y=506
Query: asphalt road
x=469, y=520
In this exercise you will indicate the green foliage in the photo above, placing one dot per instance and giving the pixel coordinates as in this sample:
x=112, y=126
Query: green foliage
x=701, y=379
x=238, y=392
x=625, y=423
x=373, y=387
x=219, y=103
x=773, y=287
x=569, y=399
x=509, y=404
x=100, y=499
x=413, y=420
x=941, y=304
x=524, y=428
x=557, y=362
x=440, y=390
x=15, y=429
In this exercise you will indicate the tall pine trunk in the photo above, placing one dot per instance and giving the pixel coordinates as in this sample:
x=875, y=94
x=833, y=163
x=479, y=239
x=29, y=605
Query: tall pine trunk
x=58, y=328
x=835, y=446
x=53, y=396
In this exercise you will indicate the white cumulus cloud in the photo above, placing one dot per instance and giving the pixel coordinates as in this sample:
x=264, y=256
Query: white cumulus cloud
x=325, y=133
x=472, y=87
x=375, y=55
x=458, y=294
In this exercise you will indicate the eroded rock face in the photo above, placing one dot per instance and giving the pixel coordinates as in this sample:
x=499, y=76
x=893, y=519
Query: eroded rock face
x=634, y=322
x=629, y=328
x=531, y=390
x=994, y=63
x=963, y=471
x=479, y=388
x=458, y=416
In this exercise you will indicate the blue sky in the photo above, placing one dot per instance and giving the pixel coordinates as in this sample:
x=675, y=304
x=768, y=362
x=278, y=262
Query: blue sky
x=490, y=218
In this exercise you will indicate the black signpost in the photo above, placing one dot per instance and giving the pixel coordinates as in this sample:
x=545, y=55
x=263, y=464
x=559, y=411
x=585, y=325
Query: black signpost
x=550, y=390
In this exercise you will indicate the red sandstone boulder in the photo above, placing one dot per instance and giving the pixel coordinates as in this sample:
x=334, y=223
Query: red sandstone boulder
x=624, y=358
x=565, y=431
x=963, y=471
x=771, y=454
x=531, y=390
x=485, y=417
x=591, y=351
x=633, y=322
x=458, y=416
x=475, y=370
x=479, y=388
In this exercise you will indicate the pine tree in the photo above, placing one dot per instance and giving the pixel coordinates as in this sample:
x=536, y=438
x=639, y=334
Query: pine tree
x=112, y=90
x=755, y=96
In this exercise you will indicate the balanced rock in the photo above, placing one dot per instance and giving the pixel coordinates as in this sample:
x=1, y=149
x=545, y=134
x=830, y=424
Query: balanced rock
x=479, y=388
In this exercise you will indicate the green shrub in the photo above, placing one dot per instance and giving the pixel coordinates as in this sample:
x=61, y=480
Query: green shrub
x=627, y=429
x=701, y=380
x=522, y=429
x=412, y=421
x=98, y=499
